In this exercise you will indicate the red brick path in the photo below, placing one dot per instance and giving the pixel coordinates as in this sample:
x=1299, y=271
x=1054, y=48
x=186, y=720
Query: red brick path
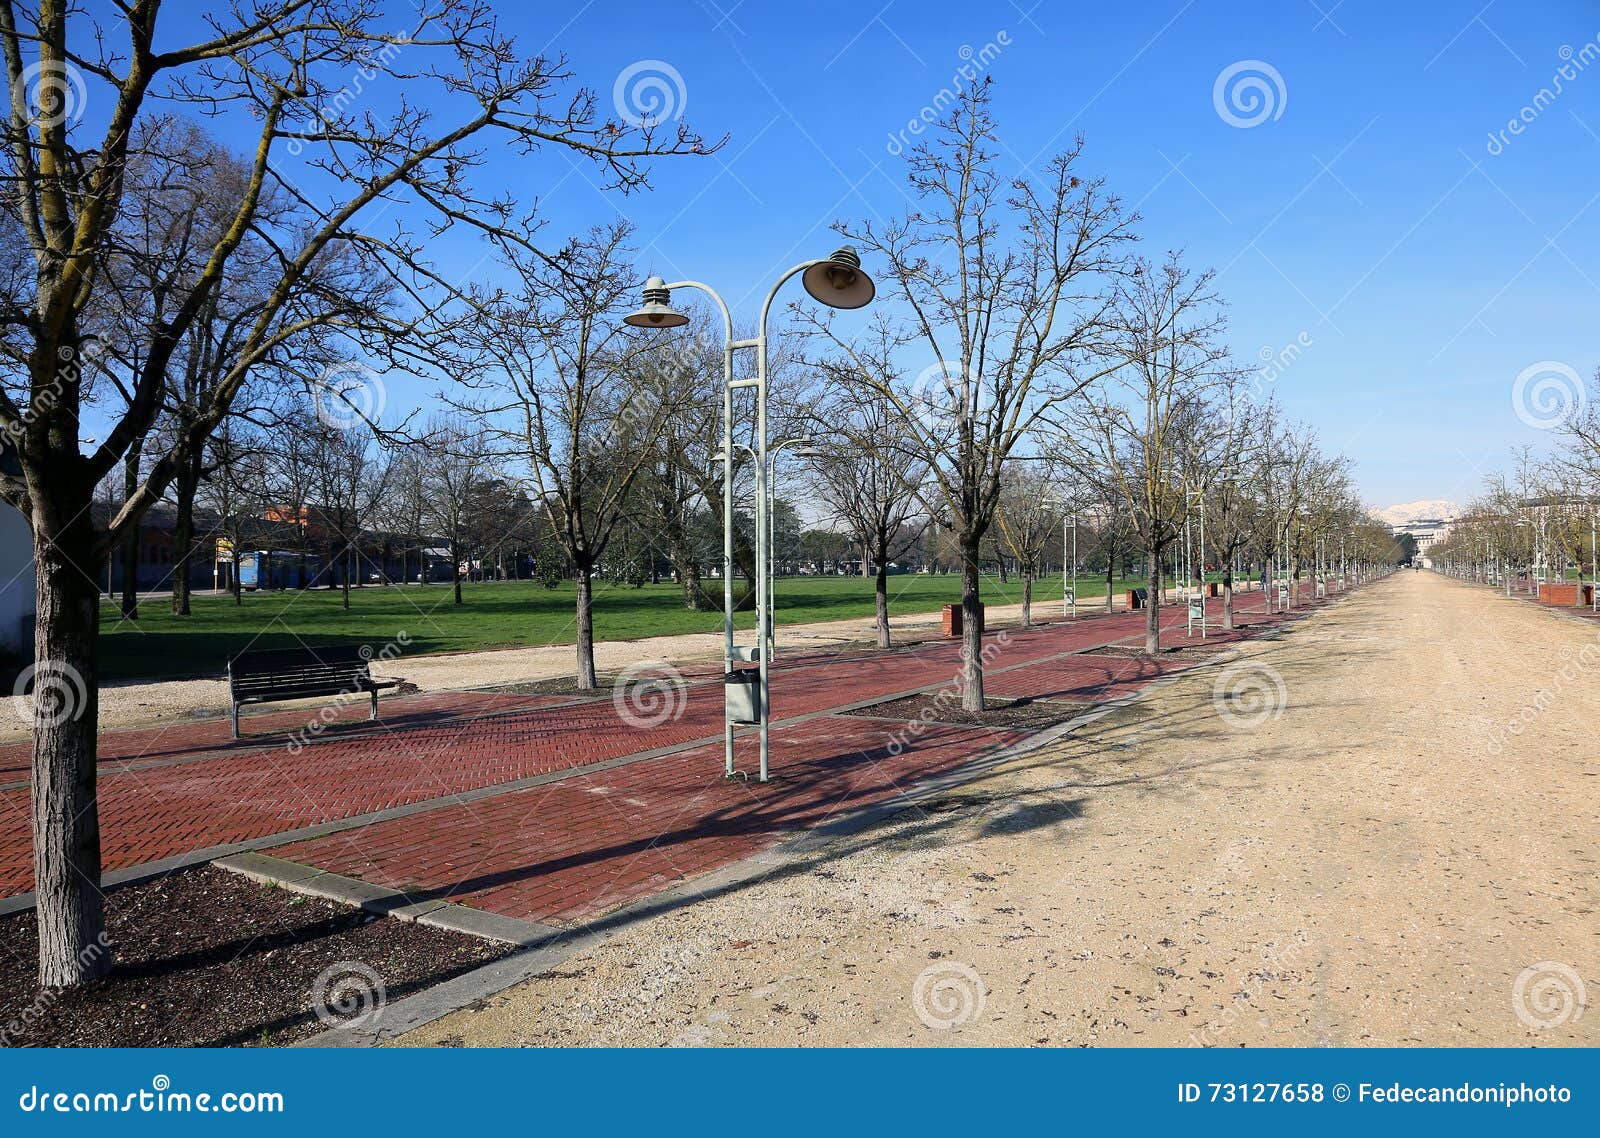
x=572, y=848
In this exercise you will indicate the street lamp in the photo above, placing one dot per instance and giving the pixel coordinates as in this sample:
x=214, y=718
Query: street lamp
x=1191, y=498
x=804, y=448
x=1069, y=598
x=837, y=281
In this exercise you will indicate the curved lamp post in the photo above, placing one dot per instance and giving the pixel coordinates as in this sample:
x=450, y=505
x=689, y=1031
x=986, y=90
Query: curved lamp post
x=804, y=448
x=837, y=281
x=1069, y=597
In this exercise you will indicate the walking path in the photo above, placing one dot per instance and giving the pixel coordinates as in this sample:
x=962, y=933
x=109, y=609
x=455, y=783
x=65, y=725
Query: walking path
x=139, y=703
x=1378, y=830
x=553, y=810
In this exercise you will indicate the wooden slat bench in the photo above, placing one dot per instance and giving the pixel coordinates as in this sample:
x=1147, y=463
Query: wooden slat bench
x=302, y=673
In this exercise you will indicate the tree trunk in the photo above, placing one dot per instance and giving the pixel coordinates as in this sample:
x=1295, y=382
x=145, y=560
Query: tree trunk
x=1027, y=600
x=971, y=629
x=585, y=621
x=1152, y=612
x=694, y=595
x=455, y=567
x=744, y=560
x=184, y=487
x=880, y=591
x=238, y=595
x=130, y=545
x=1227, y=598
x=66, y=821
x=1111, y=583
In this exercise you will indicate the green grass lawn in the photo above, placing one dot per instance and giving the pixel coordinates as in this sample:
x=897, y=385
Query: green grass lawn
x=497, y=615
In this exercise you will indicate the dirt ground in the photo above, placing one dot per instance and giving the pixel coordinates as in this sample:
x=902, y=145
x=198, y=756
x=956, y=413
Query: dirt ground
x=1380, y=829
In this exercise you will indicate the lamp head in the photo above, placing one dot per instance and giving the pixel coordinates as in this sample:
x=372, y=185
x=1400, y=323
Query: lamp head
x=657, y=310
x=839, y=282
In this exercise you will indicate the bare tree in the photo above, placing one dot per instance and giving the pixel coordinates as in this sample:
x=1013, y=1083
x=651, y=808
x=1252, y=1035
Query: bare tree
x=1027, y=518
x=871, y=480
x=459, y=456
x=1004, y=280
x=351, y=478
x=1235, y=508
x=238, y=491
x=280, y=63
x=1166, y=343
x=572, y=398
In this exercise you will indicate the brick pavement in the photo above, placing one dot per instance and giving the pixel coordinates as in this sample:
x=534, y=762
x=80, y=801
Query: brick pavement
x=574, y=847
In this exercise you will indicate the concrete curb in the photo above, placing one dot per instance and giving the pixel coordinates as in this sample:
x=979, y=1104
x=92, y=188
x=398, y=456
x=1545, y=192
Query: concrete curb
x=434, y=912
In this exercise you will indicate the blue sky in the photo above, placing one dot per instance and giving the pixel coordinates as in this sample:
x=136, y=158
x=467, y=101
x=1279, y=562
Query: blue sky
x=1365, y=214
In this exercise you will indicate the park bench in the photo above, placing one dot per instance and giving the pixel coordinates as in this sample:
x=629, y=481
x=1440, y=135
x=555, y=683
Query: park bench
x=302, y=673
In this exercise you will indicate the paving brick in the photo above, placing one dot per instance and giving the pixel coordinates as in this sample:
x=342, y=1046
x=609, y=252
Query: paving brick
x=169, y=791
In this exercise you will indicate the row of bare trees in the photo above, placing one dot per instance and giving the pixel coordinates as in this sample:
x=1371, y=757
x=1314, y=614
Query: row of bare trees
x=1034, y=368
x=172, y=303
x=1540, y=518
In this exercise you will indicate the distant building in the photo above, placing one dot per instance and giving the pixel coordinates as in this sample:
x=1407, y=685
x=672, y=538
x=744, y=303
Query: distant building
x=1426, y=532
x=17, y=595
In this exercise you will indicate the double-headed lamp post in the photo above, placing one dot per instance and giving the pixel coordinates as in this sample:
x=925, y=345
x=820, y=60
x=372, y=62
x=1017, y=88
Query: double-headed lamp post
x=804, y=448
x=837, y=281
x=1069, y=597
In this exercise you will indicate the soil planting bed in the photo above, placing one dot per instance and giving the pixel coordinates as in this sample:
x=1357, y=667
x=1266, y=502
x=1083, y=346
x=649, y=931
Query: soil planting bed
x=1008, y=713
x=209, y=958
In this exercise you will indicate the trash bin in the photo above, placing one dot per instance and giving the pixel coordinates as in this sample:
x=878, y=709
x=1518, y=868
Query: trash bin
x=742, y=695
x=953, y=622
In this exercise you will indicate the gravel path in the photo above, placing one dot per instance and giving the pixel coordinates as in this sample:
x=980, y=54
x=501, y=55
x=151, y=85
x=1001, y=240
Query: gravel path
x=1383, y=819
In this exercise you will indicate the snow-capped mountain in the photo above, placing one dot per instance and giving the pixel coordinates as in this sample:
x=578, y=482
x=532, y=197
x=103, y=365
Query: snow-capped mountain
x=1413, y=511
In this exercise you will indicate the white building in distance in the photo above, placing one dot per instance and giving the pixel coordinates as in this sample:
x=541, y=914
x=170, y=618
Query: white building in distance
x=1426, y=532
